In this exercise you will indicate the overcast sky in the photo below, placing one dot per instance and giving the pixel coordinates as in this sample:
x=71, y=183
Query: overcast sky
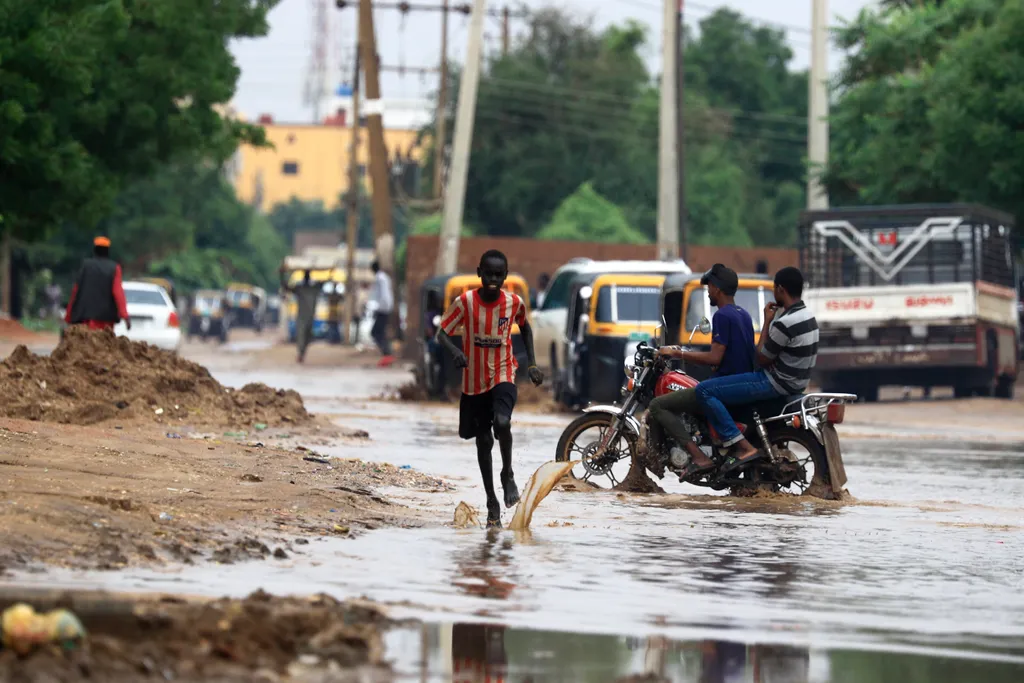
x=274, y=68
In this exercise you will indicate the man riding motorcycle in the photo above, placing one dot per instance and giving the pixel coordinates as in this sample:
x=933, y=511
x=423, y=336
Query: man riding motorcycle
x=786, y=355
x=732, y=352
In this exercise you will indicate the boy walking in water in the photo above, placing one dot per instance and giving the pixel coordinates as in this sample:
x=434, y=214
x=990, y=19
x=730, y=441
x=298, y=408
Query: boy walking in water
x=489, y=370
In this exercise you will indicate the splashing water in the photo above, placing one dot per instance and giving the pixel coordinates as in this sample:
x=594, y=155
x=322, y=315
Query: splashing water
x=539, y=486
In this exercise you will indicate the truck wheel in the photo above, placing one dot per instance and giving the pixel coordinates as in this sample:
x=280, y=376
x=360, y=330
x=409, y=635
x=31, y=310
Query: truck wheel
x=1004, y=387
x=961, y=391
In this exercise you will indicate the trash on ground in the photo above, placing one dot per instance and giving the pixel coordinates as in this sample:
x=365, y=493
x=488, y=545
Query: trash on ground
x=24, y=629
x=313, y=458
x=465, y=516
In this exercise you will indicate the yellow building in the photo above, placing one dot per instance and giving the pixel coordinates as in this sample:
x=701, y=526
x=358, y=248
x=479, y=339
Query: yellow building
x=309, y=162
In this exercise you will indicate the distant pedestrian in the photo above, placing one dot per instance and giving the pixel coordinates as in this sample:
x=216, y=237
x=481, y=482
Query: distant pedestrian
x=383, y=298
x=307, y=293
x=762, y=267
x=542, y=287
x=97, y=297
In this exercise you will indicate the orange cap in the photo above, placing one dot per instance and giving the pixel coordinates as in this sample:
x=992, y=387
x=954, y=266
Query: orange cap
x=101, y=242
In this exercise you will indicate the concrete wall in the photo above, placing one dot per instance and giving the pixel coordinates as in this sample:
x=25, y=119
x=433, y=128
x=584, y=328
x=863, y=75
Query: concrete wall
x=530, y=258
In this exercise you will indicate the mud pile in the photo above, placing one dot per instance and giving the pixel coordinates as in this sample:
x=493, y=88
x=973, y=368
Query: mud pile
x=93, y=376
x=260, y=638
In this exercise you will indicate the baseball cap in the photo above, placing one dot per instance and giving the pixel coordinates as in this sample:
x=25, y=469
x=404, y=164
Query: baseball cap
x=722, y=277
x=101, y=242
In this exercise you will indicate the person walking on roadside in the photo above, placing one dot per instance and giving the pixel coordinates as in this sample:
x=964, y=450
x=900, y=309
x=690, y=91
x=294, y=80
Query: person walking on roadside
x=97, y=297
x=383, y=298
x=306, y=292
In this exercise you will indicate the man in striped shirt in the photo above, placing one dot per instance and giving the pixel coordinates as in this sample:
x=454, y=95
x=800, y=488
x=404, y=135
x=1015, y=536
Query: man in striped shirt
x=786, y=352
x=486, y=317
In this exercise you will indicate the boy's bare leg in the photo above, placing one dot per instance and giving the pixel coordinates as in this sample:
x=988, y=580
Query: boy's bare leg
x=503, y=430
x=484, y=444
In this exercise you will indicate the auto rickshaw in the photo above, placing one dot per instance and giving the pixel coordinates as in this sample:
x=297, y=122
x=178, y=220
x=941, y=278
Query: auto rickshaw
x=248, y=305
x=608, y=314
x=684, y=301
x=328, y=315
x=436, y=368
x=210, y=317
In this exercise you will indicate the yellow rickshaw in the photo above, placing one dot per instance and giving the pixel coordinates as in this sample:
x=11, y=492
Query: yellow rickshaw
x=447, y=288
x=248, y=305
x=209, y=316
x=328, y=316
x=684, y=301
x=611, y=313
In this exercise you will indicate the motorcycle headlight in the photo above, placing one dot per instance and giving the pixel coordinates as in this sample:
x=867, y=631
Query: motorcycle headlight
x=628, y=366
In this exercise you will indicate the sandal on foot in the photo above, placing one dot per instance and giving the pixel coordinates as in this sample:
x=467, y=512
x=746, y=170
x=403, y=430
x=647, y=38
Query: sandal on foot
x=732, y=463
x=693, y=469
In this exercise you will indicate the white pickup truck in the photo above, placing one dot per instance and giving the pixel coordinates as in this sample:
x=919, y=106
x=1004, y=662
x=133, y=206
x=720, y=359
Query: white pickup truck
x=930, y=298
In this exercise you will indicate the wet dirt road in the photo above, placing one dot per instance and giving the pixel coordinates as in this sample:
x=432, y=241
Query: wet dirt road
x=927, y=564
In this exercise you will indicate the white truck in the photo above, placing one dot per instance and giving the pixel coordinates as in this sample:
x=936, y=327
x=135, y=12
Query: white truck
x=549, y=320
x=920, y=295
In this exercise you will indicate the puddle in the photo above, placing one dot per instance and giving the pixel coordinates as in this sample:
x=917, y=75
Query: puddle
x=473, y=652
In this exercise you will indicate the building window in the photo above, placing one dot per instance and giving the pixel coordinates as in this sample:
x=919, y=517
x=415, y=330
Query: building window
x=290, y=168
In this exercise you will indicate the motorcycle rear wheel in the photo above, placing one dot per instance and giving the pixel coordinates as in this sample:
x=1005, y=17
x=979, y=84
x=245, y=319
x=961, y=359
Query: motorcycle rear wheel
x=820, y=484
x=624, y=447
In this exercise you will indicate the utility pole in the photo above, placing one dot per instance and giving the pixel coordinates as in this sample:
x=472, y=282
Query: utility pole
x=5, y=269
x=684, y=238
x=382, y=225
x=352, y=237
x=455, y=193
x=504, y=30
x=668, y=151
x=440, y=141
x=817, y=123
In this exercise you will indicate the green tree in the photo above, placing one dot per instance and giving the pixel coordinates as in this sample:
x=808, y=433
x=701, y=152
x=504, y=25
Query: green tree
x=929, y=105
x=586, y=216
x=100, y=93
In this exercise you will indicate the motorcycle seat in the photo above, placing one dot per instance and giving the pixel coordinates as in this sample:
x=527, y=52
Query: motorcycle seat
x=770, y=408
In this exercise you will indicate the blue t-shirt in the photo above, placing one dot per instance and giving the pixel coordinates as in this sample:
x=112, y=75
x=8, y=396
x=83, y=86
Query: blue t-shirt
x=733, y=328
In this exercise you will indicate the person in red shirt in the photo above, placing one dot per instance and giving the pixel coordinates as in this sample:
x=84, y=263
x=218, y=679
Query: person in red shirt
x=489, y=393
x=97, y=298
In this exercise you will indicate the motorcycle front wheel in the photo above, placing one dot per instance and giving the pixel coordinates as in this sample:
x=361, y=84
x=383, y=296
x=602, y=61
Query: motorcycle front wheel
x=581, y=441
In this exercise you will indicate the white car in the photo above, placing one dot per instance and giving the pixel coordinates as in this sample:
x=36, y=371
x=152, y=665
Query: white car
x=154, y=318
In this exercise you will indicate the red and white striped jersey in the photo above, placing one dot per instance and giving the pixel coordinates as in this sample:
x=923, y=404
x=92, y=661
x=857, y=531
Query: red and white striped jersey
x=487, y=339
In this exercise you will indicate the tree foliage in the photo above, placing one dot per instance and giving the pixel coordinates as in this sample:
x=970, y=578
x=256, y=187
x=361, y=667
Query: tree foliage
x=587, y=216
x=570, y=105
x=930, y=105
x=101, y=93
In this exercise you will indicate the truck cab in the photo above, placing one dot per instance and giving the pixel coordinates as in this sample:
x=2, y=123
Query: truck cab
x=913, y=295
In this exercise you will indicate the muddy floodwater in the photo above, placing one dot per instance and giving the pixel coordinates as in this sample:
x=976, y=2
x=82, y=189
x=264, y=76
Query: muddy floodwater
x=921, y=578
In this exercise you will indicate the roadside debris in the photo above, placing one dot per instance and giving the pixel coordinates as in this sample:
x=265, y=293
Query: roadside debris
x=24, y=629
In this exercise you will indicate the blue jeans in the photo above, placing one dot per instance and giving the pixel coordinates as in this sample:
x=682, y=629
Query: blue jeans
x=713, y=394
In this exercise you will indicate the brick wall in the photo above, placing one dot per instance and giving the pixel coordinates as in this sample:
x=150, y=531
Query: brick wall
x=530, y=258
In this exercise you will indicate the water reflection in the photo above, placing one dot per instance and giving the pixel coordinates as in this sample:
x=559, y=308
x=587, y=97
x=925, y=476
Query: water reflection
x=484, y=571
x=488, y=653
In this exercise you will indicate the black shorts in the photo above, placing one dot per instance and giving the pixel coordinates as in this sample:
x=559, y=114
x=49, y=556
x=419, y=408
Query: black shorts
x=477, y=411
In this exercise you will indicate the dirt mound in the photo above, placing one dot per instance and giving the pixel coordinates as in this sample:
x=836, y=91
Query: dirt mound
x=260, y=638
x=93, y=376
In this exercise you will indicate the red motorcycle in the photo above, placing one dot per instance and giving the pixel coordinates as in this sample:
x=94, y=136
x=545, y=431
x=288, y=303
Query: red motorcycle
x=797, y=433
